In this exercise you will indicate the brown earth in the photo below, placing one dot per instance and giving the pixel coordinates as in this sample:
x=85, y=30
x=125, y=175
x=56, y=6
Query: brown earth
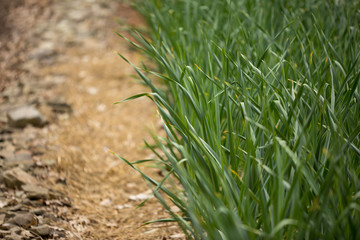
x=73, y=43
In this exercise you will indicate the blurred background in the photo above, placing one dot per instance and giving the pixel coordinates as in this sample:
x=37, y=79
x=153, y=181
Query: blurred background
x=59, y=78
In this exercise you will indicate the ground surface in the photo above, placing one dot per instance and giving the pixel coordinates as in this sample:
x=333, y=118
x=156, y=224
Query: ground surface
x=59, y=57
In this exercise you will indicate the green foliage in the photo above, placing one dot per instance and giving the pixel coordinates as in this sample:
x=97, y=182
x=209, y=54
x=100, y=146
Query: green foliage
x=262, y=115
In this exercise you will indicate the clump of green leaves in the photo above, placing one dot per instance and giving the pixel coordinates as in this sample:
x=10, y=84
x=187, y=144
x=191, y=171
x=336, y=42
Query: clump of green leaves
x=262, y=115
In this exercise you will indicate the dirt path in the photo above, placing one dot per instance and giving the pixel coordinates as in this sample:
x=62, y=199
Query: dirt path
x=101, y=186
x=76, y=48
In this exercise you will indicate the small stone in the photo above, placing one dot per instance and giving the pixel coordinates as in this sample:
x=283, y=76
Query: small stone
x=5, y=138
x=24, y=220
x=9, y=214
x=53, y=80
x=27, y=234
x=26, y=115
x=3, y=233
x=178, y=236
x=42, y=230
x=92, y=90
x=23, y=155
x=3, y=203
x=2, y=218
x=6, y=131
x=59, y=234
x=141, y=196
x=1, y=176
x=41, y=172
x=19, y=194
x=120, y=207
x=49, y=162
x=63, y=117
x=32, y=203
x=44, y=51
x=66, y=202
x=49, y=217
x=35, y=192
x=106, y=202
x=16, y=177
x=77, y=15
x=15, y=208
x=13, y=237
x=61, y=180
x=20, y=156
x=15, y=230
x=8, y=151
x=101, y=108
x=7, y=226
x=38, y=211
x=59, y=106
x=24, y=165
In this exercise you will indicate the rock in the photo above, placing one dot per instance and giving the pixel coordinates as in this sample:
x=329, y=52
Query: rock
x=5, y=137
x=24, y=138
x=120, y=207
x=61, y=180
x=42, y=230
x=49, y=162
x=19, y=194
x=27, y=234
x=35, y=192
x=15, y=230
x=92, y=90
x=8, y=151
x=23, y=155
x=54, y=80
x=77, y=15
x=3, y=203
x=49, y=217
x=32, y=203
x=19, y=156
x=24, y=220
x=8, y=226
x=178, y=236
x=38, y=211
x=11, y=91
x=2, y=218
x=59, y=233
x=22, y=116
x=24, y=165
x=37, y=147
x=1, y=176
x=141, y=196
x=106, y=202
x=3, y=233
x=44, y=51
x=15, y=208
x=13, y=237
x=16, y=177
x=59, y=106
x=41, y=172
x=3, y=119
